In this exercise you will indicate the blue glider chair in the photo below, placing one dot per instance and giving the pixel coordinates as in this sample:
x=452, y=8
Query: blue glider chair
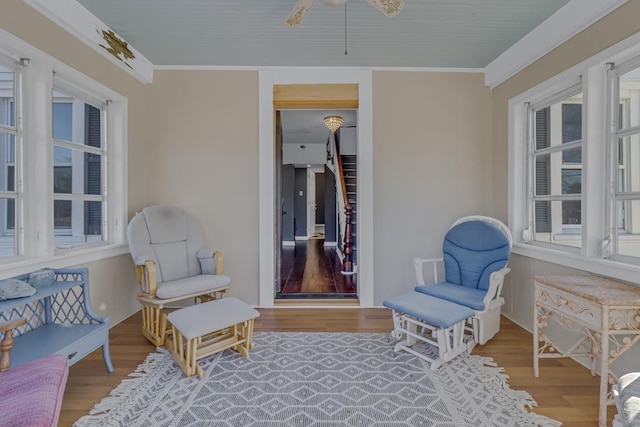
x=464, y=308
x=476, y=250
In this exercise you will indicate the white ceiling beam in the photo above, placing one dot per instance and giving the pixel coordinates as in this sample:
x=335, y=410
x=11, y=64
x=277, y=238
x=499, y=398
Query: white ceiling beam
x=86, y=27
x=568, y=21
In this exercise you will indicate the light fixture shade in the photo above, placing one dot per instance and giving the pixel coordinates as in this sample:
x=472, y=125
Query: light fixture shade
x=333, y=122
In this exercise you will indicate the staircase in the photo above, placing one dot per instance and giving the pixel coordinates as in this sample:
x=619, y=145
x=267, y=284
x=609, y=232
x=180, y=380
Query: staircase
x=350, y=170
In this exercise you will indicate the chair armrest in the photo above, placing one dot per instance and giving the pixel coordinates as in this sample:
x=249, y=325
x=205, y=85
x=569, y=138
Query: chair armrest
x=496, y=280
x=142, y=260
x=417, y=265
x=146, y=276
x=211, y=261
x=7, y=341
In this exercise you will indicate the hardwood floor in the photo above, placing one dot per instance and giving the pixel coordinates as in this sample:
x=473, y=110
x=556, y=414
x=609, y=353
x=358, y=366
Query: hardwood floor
x=565, y=390
x=313, y=270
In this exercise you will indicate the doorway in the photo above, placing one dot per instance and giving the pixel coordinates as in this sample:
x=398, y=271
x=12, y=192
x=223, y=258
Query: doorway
x=270, y=98
x=310, y=257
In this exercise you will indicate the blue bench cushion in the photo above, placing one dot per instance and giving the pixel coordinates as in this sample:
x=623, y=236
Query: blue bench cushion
x=469, y=297
x=434, y=311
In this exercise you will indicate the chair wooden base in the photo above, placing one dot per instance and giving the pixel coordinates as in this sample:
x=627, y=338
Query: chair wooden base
x=154, y=322
x=186, y=353
x=206, y=329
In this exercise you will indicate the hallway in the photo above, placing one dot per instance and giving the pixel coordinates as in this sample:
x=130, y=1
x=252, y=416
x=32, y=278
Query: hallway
x=309, y=270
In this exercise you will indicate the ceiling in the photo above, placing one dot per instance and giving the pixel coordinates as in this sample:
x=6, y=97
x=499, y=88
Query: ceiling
x=307, y=127
x=427, y=33
x=252, y=33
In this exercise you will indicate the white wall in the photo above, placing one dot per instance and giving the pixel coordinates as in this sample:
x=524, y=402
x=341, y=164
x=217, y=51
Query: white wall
x=311, y=154
x=432, y=164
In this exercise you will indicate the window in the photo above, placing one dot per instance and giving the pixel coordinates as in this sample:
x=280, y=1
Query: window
x=556, y=160
x=77, y=170
x=625, y=146
x=63, y=164
x=574, y=165
x=8, y=134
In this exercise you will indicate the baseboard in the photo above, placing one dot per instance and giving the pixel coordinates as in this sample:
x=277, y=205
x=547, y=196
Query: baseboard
x=330, y=244
x=301, y=237
x=288, y=243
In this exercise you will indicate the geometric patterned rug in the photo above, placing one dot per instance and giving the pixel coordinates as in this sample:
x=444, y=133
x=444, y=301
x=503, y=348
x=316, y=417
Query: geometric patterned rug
x=317, y=379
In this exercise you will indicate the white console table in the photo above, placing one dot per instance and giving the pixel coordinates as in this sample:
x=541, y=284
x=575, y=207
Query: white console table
x=605, y=311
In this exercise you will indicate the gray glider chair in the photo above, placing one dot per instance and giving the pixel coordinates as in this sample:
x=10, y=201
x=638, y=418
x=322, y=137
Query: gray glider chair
x=171, y=265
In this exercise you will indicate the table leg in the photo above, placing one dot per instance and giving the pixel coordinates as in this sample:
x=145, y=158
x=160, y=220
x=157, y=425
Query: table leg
x=604, y=370
x=536, y=368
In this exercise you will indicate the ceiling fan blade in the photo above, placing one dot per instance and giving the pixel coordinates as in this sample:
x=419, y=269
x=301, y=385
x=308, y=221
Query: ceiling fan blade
x=298, y=12
x=388, y=7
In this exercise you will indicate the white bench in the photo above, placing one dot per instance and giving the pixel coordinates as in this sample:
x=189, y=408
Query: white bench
x=204, y=329
x=421, y=317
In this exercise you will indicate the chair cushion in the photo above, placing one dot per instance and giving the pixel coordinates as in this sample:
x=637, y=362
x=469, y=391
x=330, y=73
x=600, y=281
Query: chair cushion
x=473, y=250
x=192, y=285
x=629, y=399
x=469, y=297
x=201, y=319
x=31, y=394
x=434, y=311
x=166, y=224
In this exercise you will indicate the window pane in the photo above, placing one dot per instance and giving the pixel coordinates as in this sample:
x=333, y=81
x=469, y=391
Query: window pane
x=551, y=178
x=76, y=121
x=7, y=161
x=629, y=235
x=76, y=172
x=629, y=164
x=558, y=222
x=571, y=123
x=77, y=222
x=62, y=214
x=571, y=181
x=571, y=212
x=629, y=99
x=93, y=220
x=62, y=179
x=7, y=234
x=560, y=123
x=7, y=102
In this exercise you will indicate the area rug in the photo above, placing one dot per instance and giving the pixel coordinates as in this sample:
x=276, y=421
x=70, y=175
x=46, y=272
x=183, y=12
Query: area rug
x=317, y=379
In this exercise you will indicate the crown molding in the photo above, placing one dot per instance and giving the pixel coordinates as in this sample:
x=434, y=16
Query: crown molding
x=86, y=27
x=568, y=21
x=318, y=68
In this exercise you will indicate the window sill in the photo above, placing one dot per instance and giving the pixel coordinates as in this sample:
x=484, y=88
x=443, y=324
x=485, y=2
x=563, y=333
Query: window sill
x=20, y=265
x=602, y=267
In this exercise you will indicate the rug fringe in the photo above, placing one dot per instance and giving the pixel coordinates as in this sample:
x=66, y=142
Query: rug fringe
x=521, y=398
x=124, y=390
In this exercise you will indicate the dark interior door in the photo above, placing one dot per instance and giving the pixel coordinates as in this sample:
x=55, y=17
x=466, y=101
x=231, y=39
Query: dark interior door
x=288, y=197
x=320, y=198
x=278, y=213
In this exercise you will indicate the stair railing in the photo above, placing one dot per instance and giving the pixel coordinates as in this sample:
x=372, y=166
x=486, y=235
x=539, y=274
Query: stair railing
x=347, y=247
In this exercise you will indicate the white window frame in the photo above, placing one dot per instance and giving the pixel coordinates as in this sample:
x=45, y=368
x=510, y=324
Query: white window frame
x=16, y=131
x=599, y=176
x=548, y=100
x=34, y=161
x=615, y=196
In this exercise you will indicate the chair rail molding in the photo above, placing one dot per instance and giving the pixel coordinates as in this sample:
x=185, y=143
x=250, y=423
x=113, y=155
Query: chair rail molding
x=568, y=21
x=86, y=27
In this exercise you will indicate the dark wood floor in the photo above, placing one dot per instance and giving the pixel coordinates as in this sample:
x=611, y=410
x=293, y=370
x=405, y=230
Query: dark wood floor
x=564, y=391
x=310, y=269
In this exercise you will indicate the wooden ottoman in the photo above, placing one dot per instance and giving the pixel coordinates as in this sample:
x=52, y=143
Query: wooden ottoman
x=204, y=329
